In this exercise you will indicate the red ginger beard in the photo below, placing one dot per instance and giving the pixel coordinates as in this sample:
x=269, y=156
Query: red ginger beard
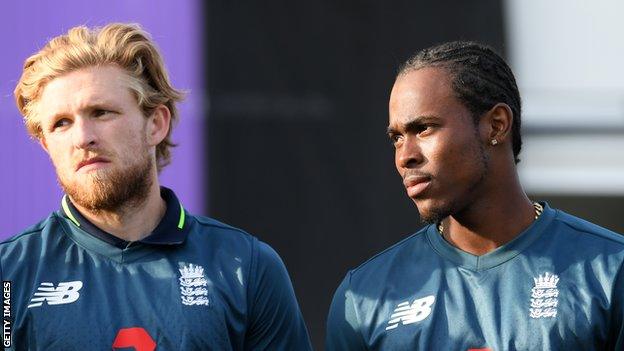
x=111, y=190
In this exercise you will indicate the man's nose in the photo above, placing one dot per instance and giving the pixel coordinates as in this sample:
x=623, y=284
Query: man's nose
x=409, y=154
x=84, y=135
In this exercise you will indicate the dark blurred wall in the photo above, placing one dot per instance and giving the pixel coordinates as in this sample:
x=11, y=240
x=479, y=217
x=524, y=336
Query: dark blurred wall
x=297, y=150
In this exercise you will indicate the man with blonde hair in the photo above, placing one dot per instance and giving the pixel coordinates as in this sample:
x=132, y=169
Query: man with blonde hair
x=122, y=264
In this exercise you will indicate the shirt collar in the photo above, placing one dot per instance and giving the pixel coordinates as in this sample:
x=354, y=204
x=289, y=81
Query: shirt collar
x=498, y=256
x=172, y=229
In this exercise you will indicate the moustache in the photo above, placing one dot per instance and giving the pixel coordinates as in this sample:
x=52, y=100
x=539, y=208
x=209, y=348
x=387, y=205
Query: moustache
x=91, y=158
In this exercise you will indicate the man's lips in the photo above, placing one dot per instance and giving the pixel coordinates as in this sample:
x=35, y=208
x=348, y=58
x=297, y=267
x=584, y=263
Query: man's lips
x=416, y=184
x=91, y=161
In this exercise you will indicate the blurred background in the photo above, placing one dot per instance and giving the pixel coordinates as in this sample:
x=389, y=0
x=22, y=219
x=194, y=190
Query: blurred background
x=283, y=129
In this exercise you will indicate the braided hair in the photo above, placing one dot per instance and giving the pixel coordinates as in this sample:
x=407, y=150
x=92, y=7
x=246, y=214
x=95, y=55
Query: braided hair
x=480, y=79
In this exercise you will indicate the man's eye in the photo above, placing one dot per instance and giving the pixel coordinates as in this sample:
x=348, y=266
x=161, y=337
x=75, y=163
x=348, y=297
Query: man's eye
x=394, y=138
x=424, y=128
x=100, y=112
x=61, y=123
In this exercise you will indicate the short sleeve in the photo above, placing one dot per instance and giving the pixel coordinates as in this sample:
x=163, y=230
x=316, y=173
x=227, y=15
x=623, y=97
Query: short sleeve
x=275, y=321
x=616, y=332
x=342, y=323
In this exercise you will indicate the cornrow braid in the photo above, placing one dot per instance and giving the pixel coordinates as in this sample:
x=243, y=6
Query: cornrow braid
x=480, y=79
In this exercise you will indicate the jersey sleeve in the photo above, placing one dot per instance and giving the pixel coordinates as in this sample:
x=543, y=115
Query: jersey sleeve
x=275, y=321
x=342, y=323
x=616, y=332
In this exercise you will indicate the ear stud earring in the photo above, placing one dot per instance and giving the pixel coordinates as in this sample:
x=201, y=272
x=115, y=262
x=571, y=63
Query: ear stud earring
x=494, y=142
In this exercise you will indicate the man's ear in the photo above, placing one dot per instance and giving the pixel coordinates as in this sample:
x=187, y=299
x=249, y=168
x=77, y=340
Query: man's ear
x=498, y=123
x=158, y=125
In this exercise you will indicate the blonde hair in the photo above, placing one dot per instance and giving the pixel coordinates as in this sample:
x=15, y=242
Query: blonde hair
x=124, y=45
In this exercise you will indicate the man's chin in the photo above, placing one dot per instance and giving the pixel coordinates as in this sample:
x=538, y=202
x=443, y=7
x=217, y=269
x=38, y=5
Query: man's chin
x=429, y=218
x=106, y=191
x=90, y=194
x=431, y=213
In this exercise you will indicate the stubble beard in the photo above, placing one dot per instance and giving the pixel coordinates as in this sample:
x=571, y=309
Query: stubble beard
x=112, y=190
x=437, y=213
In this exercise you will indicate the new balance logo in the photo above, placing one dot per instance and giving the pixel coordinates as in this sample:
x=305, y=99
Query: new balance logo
x=406, y=313
x=65, y=292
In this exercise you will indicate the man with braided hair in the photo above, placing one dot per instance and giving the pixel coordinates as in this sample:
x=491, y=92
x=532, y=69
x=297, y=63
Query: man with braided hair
x=492, y=270
x=121, y=264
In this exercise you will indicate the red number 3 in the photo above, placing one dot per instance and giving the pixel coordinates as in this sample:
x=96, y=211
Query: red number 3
x=134, y=337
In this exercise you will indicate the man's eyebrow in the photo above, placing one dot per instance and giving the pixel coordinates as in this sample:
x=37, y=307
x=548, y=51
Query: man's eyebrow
x=413, y=123
x=97, y=105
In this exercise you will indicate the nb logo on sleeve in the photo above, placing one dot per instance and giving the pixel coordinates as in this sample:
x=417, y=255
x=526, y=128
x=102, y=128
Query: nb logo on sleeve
x=406, y=313
x=64, y=293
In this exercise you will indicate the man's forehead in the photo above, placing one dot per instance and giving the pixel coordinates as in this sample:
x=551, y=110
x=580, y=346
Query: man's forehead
x=428, y=80
x=422, y=84
x=423, y=92
x=83, y=88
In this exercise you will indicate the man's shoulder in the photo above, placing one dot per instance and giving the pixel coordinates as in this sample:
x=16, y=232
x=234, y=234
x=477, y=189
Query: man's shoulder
x=207, y=223
x=32, y=240
x=207, y=228
x=571, y=224
x=391, y=257
x=32, y=233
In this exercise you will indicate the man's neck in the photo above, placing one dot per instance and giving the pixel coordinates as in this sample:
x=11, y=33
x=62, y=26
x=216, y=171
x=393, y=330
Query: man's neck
x=499, y=215
x=131, y=222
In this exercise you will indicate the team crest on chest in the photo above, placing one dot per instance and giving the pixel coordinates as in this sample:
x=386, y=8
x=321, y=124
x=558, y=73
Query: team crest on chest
x=544, y=296
x=193, y=285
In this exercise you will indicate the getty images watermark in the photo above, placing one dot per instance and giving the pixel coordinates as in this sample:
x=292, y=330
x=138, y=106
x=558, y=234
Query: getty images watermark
x=6, y=314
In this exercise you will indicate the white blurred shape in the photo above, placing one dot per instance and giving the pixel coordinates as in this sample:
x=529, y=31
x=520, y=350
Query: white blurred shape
x=567, y=58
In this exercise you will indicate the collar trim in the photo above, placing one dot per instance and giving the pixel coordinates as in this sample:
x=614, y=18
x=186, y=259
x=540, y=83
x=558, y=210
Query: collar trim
x=182, y=217
x=172, y=230
x=498, y=256
x=68, y=212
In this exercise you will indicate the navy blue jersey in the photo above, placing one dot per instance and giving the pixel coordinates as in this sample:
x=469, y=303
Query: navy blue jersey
x=193, y=284
x=557, y=286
